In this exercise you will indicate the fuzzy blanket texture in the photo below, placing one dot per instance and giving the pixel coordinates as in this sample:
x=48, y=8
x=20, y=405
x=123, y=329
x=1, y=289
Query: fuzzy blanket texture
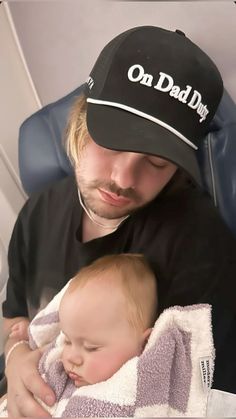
x=172, y=377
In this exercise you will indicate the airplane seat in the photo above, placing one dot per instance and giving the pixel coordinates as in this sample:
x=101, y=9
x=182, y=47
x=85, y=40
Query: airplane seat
x=217, y=160
x=42, y=158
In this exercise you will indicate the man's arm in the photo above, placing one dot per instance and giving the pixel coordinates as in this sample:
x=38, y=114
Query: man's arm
x=24, y=381
x=7, y=327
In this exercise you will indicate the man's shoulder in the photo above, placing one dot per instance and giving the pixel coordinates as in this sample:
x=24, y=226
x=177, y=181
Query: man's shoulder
x=59, y=187
x=51, y=197
x=188, y=212
x=55, y=190
x=192, y=201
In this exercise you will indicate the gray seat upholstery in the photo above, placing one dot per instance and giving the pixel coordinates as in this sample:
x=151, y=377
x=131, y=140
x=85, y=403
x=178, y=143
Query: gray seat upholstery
x=217, y=158
x=42, y=158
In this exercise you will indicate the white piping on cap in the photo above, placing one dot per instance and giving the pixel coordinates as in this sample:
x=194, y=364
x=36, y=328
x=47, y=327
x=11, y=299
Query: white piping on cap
x=143, y=115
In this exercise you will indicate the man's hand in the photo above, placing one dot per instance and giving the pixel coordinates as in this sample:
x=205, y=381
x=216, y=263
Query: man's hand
x=25, y=383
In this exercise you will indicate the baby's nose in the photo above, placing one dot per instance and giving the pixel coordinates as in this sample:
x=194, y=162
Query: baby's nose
x=77, y=362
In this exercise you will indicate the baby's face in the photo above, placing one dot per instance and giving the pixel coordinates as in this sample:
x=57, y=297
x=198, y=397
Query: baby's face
x=99, y=338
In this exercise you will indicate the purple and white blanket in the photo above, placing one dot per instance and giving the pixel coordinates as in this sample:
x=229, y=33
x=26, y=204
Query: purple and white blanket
x=172, y=377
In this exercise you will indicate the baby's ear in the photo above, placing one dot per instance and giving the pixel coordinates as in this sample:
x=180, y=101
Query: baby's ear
x=146, y=335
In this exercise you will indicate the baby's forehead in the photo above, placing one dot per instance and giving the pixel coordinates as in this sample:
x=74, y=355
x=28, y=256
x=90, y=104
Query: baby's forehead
x=106, y=280
x=94, y=320
x=98, y=297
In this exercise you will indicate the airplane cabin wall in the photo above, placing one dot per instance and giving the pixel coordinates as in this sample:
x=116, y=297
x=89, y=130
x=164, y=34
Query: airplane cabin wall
x=62, y=39
x=17, y=101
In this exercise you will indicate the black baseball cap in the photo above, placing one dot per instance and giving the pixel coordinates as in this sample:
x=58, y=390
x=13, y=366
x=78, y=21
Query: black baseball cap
x=153, y=91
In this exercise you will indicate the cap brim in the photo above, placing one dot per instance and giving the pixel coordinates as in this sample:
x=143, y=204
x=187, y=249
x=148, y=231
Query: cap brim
x=120, y=130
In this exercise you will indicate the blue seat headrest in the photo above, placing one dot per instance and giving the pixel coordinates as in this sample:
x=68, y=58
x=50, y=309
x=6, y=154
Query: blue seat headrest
x=42, y=158
x=217, y=159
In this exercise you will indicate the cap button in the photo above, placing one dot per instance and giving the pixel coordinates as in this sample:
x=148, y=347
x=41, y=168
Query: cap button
x=180, y=32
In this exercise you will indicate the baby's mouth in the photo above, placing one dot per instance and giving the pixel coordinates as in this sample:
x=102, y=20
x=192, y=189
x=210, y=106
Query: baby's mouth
x=77, y=379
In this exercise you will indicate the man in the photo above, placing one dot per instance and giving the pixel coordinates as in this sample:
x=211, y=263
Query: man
x=132, y=138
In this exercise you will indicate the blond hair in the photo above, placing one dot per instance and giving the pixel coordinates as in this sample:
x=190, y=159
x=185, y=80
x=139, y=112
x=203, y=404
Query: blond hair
x=76, y=132
x=133, y=274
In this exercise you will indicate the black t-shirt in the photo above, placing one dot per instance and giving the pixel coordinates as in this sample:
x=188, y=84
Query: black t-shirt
x=182, y=235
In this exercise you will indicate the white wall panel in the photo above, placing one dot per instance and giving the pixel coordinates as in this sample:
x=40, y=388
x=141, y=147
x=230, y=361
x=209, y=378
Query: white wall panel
x=17, y=101
x=61, y=39
x=3, y=276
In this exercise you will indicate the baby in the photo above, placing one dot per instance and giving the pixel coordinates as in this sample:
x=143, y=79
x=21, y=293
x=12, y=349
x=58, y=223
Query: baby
x=95, y=331
x=106, y=315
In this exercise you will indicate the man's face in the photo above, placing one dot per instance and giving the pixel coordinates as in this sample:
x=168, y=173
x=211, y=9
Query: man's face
x=98, y=336
x=114, y=184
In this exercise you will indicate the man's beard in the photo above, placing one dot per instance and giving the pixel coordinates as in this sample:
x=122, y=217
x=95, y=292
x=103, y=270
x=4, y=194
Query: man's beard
x=88, y=190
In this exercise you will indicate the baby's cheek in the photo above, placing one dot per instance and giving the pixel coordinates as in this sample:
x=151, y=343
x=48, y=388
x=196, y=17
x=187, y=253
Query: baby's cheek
x=100, y=368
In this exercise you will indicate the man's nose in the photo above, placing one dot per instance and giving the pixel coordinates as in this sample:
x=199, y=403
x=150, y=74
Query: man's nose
x=125, y=170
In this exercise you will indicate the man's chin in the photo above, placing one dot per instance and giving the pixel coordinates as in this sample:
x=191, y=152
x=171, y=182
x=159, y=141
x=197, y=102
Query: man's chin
x=108, y=212
x=111, y=213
